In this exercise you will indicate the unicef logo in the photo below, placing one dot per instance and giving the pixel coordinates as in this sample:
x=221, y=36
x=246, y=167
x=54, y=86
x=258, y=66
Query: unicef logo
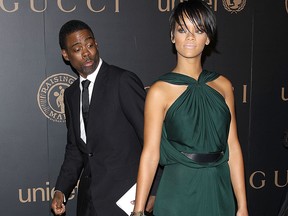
x=234, y=6
x=50, y=96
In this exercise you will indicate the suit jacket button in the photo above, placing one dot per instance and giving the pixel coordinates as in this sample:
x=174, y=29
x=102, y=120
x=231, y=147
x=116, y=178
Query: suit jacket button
x=90, y=154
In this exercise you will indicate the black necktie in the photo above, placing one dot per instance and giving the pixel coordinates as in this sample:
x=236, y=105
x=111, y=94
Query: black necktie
x=85, y=101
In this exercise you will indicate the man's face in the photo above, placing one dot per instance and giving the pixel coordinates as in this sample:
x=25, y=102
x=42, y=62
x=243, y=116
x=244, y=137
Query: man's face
x=81, y=51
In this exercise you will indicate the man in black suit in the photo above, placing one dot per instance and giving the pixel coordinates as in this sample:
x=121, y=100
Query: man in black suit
x=105, y=151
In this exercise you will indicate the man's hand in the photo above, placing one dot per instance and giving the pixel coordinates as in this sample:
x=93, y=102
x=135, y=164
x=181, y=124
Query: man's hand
x=150, y=203
x=57, y=205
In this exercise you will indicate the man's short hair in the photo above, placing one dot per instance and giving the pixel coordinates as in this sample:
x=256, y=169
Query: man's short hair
x=69, y=28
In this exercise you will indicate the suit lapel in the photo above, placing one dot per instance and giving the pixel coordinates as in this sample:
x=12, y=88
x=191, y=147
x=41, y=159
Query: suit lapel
x=75, y=107
x=99, y=82
x=97, y=96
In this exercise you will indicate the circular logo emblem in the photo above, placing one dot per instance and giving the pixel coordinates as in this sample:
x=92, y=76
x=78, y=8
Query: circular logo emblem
x=50, y=96
x=234, y=6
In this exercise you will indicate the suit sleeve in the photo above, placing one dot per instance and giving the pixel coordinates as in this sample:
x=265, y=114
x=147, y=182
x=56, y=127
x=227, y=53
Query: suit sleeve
x=132, y=98
x=73, y=162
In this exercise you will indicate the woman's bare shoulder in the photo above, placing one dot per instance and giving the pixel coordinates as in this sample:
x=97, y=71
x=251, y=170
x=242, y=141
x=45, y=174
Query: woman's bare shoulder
x=160, y=88
x=224, y=81
x=225, y=85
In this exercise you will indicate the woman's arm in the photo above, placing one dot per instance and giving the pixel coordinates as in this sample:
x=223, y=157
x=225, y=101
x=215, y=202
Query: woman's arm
x=153, y=120
x=236, y=163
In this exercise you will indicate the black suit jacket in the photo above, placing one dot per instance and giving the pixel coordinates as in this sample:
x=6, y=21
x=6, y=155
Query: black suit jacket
x=110, y=159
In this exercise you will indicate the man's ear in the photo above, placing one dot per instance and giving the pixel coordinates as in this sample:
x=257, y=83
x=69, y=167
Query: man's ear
x=64, y=54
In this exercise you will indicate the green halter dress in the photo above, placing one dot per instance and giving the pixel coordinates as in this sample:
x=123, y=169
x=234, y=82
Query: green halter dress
x=197, y=122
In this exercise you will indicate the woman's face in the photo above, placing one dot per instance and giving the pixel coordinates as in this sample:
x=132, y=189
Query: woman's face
x=189, y=41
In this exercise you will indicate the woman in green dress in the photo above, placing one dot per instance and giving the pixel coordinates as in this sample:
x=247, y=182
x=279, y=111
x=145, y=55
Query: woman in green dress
x=190, y=127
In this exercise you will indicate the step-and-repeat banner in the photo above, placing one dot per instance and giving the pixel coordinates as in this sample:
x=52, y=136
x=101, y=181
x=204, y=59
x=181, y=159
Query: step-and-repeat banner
x=251, y=51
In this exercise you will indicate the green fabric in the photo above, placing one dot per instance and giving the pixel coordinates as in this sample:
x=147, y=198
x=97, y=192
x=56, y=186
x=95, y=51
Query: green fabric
x=197, y=122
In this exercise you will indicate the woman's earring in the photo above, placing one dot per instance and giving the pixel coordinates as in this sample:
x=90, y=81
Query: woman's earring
x=172, y=40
